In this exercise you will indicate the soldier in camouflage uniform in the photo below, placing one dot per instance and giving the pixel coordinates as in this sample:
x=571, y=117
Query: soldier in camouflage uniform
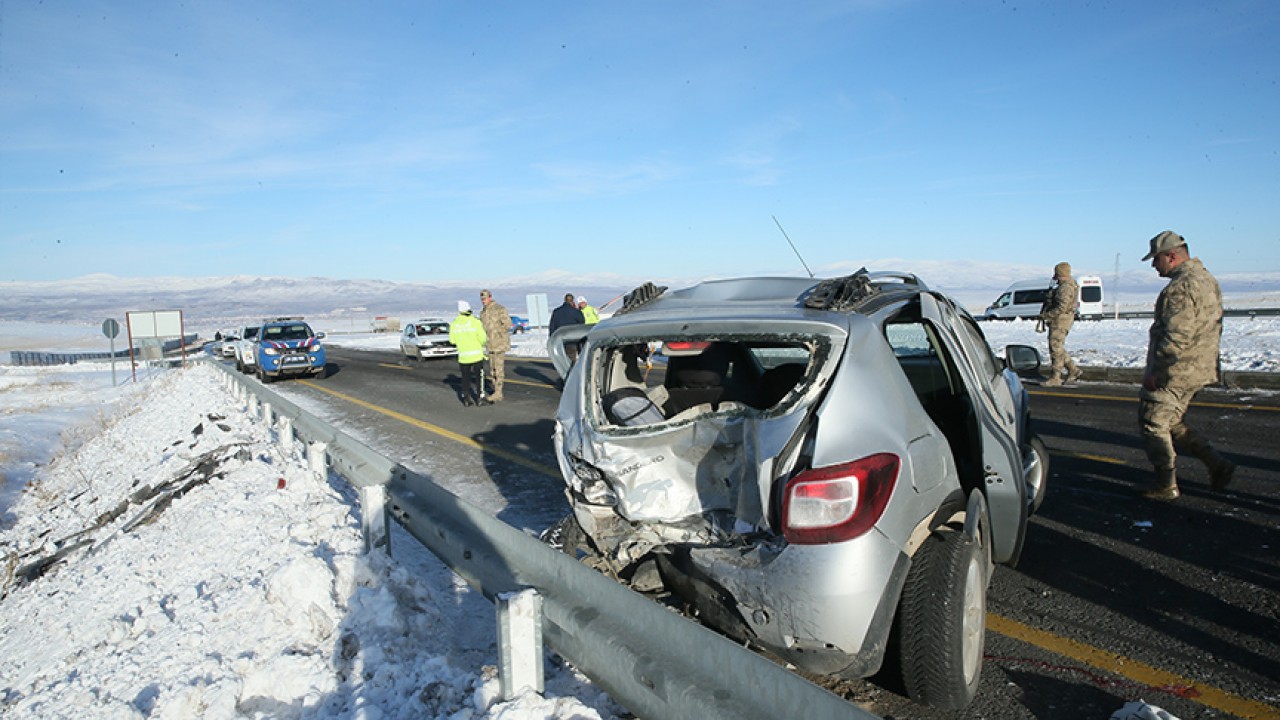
x=1182, y=358
x=1058, y=313
x=497, y=326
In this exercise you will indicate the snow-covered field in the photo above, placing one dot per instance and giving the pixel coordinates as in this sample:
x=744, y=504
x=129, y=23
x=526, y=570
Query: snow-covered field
x=164, y=558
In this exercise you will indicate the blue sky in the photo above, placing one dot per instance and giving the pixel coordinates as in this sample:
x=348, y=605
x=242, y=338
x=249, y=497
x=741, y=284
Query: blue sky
x=421, y=141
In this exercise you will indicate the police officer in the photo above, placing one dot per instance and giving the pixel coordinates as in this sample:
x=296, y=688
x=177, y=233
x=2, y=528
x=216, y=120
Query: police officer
x=589, y=314
x=497, y=328
x=1058, y=314
x=467, y=334
x=1182, y=358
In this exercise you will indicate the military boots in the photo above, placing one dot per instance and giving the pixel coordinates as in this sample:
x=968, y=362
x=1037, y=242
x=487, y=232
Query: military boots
x=1165, y=486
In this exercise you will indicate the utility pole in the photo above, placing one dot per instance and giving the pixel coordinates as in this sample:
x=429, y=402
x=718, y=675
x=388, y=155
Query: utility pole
x=1115, y=289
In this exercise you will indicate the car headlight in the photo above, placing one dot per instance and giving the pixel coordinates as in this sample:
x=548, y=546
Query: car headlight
x=270, y=351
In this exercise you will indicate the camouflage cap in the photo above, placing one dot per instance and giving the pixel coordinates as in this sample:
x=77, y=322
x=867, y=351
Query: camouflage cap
x=1164, y=242
x=1062, y=269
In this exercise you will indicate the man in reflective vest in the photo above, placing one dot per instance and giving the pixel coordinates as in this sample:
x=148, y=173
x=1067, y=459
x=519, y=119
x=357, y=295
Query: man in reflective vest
x=589, y=314
x=467, y=334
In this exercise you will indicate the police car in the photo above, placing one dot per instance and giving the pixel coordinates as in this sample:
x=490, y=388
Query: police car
x=288, y=348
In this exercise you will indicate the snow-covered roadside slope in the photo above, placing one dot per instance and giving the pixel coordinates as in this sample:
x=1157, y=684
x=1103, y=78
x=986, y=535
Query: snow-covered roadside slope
x=180, y=564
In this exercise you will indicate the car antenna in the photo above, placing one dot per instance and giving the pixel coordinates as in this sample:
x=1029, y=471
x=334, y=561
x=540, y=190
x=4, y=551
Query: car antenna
x=793, y=245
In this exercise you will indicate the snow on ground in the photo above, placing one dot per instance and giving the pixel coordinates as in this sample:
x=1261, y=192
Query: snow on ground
x=164, y=558
x=1248, y=344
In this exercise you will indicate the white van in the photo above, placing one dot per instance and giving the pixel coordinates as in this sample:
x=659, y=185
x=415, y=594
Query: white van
x=1023, y=299
x=1089, y=306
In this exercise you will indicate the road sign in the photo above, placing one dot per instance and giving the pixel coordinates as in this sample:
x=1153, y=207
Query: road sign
x=110, y=328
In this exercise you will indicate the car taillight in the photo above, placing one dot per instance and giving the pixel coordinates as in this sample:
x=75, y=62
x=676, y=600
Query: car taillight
x=838, y=503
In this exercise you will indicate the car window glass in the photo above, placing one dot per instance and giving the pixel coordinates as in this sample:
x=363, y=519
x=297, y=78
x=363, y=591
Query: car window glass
x=977, y=348
x=722, y=375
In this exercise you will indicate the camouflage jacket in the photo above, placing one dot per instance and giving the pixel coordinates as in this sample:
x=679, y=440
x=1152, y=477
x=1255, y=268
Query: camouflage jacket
x=497, y=325
x=1060, y=306
x=1182, y=349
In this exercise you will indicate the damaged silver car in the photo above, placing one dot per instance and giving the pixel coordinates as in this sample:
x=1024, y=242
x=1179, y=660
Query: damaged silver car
x=823, y=469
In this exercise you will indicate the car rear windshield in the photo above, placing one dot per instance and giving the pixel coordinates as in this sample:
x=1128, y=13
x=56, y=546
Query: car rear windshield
x=657, y=380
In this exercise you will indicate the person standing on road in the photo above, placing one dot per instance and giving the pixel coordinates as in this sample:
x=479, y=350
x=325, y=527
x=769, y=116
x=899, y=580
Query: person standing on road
x=1058, y=314
x=467, y=334
x=497, y=329
x=567, y=314
x=1182, y=358
x=589, y=314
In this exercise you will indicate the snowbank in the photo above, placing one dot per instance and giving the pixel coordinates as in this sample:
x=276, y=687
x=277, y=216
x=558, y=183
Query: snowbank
x=167, y=559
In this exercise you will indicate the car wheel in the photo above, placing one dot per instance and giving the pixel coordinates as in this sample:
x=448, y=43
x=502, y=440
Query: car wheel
x=263, y=376
x=320, y=374
x=1036, y=462
x=942, y=621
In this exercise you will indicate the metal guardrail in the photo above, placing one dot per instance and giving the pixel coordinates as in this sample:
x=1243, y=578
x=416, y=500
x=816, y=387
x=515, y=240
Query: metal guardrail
x=1227, y=312
x=655, y=662
x=33, y=358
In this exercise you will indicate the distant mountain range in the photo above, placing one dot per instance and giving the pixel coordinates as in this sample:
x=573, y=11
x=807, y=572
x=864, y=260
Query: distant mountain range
x=222, y=302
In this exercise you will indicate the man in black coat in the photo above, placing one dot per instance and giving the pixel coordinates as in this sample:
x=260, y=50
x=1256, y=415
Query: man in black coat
x=567, y=314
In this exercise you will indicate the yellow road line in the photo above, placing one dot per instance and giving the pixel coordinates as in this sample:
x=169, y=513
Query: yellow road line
x=1085, y=396
x=1206, y=695
x=442, y=432
x=394, y=367
x=530, y=383
x=1102, y=659
x=1087, y=456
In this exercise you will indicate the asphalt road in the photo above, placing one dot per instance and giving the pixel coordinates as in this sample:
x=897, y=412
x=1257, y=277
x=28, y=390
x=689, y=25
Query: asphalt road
x=1116, y=598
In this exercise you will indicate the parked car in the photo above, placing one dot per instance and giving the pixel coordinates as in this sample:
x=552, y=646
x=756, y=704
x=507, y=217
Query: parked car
x=427, y=338
x=246, y=348
x=519, y=324
x=288, y=348
x=825, y=471
x=1022, y=299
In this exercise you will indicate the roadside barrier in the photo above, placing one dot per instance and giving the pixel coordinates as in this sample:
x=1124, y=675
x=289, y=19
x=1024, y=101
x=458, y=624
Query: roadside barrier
x=33, y=358
x=655, y=662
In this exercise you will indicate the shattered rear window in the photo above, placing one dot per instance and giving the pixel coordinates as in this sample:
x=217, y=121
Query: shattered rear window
x=655, y=381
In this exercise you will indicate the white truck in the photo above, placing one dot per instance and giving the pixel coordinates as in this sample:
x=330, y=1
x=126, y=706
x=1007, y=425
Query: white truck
x=245, y=348
x=1022, y=299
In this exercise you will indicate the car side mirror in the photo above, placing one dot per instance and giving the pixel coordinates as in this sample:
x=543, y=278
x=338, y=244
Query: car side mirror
x=1022, y=359
x=319, y=336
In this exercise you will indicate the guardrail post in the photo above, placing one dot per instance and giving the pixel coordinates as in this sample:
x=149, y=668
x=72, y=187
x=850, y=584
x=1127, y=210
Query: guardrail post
x=318, y=459
x=266, y=415
x=520, y=642
x=286, y=432
x=373, y=518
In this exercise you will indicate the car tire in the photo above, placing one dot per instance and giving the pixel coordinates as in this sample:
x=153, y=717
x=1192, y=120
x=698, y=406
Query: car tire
x=1037, y=452
x=263, y=376
x=942, y=621
x=320, y=374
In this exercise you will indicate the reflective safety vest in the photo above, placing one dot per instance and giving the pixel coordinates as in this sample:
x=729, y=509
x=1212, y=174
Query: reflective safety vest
x=590, y=316
x=467, y=334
